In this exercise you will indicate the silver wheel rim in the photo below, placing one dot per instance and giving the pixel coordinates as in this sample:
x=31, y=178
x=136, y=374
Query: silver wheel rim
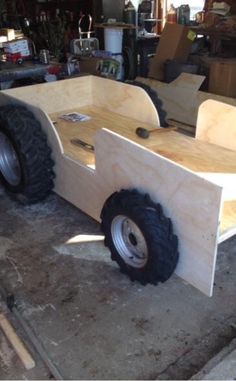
x=129, y=241
x=9, y=163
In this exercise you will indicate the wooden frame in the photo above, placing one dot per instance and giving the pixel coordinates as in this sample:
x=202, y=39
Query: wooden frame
x=189, y=177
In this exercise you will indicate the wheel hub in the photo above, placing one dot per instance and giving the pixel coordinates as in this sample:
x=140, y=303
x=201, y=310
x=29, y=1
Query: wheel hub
x=129, y=241
x=9, y=162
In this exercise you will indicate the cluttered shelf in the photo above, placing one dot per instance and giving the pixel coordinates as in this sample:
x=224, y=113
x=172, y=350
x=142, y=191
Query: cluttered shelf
x=213, y=32
x=216, y=37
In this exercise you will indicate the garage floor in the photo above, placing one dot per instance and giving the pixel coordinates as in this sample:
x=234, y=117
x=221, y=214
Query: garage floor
x=93, y=322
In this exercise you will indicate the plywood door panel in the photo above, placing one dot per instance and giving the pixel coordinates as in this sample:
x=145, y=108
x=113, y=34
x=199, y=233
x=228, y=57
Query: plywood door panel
x=192, y=203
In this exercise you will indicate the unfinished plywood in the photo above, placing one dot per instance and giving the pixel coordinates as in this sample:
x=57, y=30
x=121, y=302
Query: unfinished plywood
x=195, y=155
x=16, y=343
x=56, y=96
x=118, y=97
x=181, y=98
x=124, y=99
x=99, y=118
x=192, y=203
x=120, y=163
x=216, y=124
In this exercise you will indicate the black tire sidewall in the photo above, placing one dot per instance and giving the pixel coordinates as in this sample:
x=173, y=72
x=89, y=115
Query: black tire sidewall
x=156, y=228
x=29, y=141
x=19, y=187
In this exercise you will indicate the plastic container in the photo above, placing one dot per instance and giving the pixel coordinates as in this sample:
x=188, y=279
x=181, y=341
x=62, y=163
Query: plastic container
x=172, y=15
x=183, y=14
x=113, y=40
x=129, y=14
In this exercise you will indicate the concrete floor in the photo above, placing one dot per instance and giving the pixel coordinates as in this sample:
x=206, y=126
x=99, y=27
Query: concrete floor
x=94, y=322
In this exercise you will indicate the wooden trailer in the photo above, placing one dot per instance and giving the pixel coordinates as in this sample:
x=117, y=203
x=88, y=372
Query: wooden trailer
x=193, y=179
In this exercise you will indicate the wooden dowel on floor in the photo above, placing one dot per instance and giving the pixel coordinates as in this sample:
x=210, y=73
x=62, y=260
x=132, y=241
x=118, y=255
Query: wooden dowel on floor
x=17, y=343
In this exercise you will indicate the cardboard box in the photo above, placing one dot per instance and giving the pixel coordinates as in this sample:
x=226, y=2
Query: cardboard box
x=17, y=46
x=105, y=67
x=222, y=77
x=175, y=43
x=9, y=33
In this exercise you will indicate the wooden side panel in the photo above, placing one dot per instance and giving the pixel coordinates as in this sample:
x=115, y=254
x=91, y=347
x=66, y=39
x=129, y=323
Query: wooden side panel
x=127, y=100
x=191, y=202
x=56, y=96
x=181, y=98
x=216, y=124
x=124, y=99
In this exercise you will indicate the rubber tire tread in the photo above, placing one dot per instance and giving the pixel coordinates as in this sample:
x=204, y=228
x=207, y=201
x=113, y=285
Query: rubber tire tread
x=33, y=151
x=157, y=229
x=155, y=100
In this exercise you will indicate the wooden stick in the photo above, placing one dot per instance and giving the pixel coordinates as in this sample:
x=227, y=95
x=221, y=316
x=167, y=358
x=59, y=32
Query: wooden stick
x=17, y=343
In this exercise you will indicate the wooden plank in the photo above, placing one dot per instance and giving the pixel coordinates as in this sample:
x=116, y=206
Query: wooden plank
x=217, y=124
x=181, y=98
x=17, y=343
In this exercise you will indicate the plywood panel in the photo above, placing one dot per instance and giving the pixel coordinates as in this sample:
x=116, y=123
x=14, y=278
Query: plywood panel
x=192, y=202
x=124, y=99
x=56, y=96
x=191, y=153
x=181, y=98
x=100, y=118
x=217, y=124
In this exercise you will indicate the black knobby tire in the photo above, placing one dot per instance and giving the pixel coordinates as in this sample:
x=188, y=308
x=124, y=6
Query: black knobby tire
x=155, y=100
x=157, y=232
x=21, y=131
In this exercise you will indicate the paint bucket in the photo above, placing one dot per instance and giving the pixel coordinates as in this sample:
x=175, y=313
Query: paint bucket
x=113, y=40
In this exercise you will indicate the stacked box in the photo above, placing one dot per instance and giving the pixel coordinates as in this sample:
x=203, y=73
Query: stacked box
x=17, y=46
x=9, y=33
x=222, y=79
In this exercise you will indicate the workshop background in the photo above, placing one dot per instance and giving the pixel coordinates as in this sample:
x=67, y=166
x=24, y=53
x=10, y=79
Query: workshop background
x=67, y=312
x=50, y=40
